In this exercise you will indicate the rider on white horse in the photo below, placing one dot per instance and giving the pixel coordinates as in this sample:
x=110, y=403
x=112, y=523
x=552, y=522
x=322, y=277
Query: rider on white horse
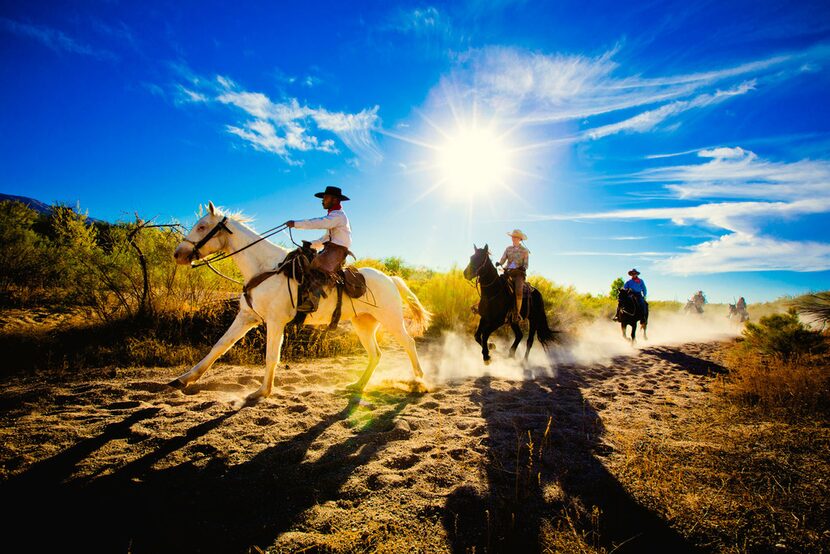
x=335, y=244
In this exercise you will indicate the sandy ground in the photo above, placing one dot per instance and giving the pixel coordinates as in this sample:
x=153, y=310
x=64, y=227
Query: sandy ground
x=114, y=460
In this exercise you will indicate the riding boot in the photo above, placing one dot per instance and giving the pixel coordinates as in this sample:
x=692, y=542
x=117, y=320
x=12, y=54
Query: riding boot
x=311, y=300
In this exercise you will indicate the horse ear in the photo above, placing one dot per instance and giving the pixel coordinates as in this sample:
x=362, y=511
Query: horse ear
x=211, y=207
x=201, y=210
x=486, y=248
x=475, y=247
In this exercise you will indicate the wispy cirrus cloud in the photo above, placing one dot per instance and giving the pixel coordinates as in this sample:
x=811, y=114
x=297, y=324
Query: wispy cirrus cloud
x=648, y=120
x=729, y=178
x=53, y=38
x=537, y=88
x=285, y=127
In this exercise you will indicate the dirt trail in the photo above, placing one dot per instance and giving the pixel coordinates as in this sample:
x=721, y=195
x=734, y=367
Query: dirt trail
x=117, y=461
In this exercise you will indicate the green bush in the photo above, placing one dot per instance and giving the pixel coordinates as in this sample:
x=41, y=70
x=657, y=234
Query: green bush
x=783, y=336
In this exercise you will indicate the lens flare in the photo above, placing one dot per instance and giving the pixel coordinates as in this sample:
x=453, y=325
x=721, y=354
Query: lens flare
x=473, y=161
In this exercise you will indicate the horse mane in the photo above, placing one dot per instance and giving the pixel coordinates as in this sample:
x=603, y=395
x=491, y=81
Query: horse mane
x=236, y=215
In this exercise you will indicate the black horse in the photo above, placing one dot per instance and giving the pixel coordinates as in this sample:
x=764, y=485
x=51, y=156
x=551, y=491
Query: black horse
x=497, y=301
x=630, y=312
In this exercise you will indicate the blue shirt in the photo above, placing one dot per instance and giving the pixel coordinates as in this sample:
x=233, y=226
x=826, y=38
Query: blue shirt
x=636, y=286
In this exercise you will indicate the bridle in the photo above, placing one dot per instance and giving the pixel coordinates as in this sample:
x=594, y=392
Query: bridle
x=194, y=255
x=477, y=278
x=222, y=226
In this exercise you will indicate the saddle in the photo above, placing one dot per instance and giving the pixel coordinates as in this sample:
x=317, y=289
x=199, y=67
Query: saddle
x=297, y=266
x=527, y=290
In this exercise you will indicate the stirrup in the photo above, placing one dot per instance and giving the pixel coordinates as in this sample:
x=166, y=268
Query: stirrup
x=307, y=306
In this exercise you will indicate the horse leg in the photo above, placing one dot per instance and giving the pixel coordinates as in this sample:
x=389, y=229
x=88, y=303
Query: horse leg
x=531, y=334
x=622, y=329
x=273, y=349
x=243, y=323
x=398, y=331
x=485, y=347
x=634, y=332
x=479, y=330
x=365, y=327
x=518, y=332
x=643, y=326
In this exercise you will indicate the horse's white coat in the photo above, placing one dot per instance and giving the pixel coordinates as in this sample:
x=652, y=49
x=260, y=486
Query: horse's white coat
x=381, y=305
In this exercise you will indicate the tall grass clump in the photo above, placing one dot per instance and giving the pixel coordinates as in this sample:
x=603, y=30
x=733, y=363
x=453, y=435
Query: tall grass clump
x=451, y=298
x=780, y=363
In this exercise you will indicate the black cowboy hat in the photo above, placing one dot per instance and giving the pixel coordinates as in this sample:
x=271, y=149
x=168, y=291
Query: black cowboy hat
x=633, y=272
x=334, y=191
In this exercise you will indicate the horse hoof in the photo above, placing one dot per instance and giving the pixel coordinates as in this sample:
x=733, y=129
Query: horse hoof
x=419, y=386
x=486, y=361
x=255, y=397
x=177, y=384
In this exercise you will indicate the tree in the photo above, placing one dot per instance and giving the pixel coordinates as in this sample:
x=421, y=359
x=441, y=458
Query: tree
x=616, y=285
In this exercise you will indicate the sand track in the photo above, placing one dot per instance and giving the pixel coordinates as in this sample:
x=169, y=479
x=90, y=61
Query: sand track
x=115, y=460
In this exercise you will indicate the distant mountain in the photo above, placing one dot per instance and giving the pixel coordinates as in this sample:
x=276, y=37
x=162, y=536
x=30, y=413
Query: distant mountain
x=36, y=205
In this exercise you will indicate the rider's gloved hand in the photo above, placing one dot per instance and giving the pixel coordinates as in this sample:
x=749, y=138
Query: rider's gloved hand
x=498, y=264
x=289, y=223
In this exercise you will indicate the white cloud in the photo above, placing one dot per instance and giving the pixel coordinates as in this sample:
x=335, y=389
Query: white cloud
x=598, y=92
x=791, y=190
x=648, y=120
x=287, y=126
x=745, y=252
x=739, y=173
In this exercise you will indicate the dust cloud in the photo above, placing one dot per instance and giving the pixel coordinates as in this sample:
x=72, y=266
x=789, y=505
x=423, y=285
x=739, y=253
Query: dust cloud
x=457, y=356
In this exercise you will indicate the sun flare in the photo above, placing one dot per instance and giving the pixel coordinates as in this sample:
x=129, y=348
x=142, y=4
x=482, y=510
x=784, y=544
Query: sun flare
x=473, y=160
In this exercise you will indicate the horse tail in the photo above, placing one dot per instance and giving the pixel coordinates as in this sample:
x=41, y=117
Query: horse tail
x=420, y=315
x=544, y=333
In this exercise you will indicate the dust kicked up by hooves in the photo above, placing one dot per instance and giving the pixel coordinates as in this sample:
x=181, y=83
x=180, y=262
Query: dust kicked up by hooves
x=457, y=356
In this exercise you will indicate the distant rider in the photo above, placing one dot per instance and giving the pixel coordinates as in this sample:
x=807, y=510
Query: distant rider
x=335, y=244
x=699, y=300
x=741, y=305
x=517, y=257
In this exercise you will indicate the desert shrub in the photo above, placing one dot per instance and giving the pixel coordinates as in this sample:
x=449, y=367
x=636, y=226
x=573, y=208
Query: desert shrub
x=783, y=336
x=780, y=364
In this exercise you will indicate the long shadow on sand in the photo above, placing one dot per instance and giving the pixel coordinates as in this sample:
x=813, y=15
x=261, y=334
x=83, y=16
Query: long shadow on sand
x=559, y=480
x=685, y=362
x=216, y=507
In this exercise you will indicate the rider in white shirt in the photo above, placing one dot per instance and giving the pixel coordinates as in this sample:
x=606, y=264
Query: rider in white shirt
x=335, y=244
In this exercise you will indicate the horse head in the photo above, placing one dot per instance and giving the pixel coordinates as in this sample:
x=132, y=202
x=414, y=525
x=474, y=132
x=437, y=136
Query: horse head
x=205, y=238
x=478, y=260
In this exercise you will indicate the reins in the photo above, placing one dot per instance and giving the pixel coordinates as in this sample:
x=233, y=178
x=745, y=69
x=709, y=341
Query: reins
x=207, y=261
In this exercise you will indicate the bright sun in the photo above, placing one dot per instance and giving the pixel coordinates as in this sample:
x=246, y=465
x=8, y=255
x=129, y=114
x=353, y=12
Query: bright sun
x=473, y=161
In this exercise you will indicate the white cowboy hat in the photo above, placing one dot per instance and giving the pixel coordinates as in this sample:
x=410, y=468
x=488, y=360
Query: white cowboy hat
x=517, y=233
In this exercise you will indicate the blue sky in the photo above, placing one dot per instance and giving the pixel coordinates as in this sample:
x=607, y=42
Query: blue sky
x=687, y=139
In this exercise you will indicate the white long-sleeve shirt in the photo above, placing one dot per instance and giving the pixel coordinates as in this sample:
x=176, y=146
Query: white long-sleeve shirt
x=336, y=225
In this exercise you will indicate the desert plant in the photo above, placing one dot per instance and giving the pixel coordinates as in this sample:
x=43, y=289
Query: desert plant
x=816, y=307
x=783, y=336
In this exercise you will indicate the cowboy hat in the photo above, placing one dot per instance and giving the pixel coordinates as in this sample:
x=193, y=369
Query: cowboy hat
x=633, y=272
x=517, y=233
x=334, y=191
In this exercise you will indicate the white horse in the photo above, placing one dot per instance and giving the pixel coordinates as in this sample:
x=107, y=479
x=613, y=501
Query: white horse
x=272, y=302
